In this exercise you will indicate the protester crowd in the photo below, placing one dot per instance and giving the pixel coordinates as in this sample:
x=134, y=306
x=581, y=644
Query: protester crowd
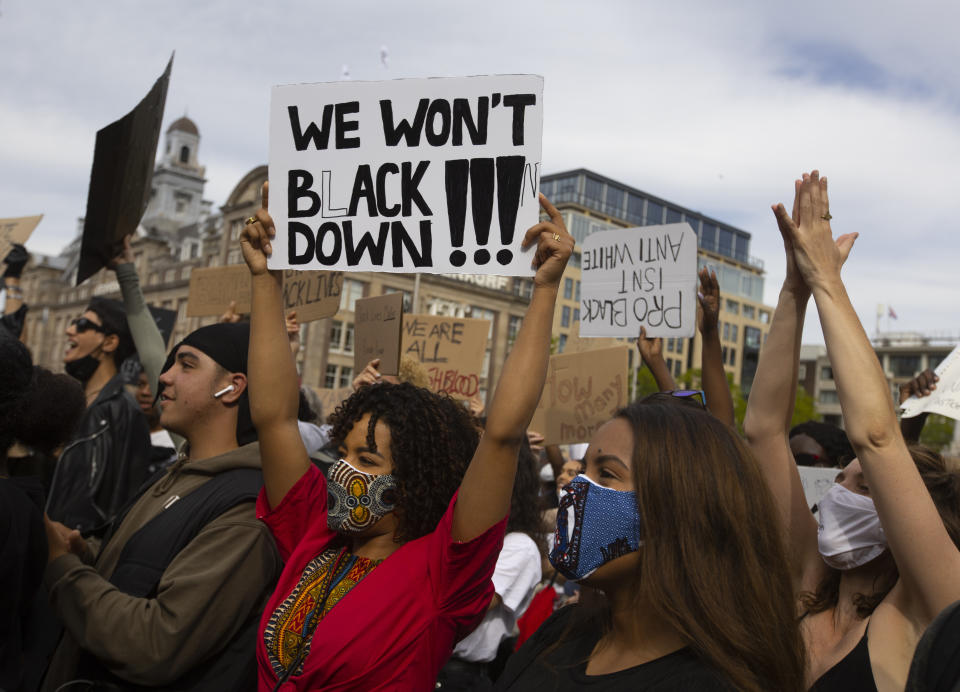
x=188, y=520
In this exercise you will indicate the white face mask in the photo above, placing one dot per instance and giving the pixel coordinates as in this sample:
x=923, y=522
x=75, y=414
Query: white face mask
x=850, y=533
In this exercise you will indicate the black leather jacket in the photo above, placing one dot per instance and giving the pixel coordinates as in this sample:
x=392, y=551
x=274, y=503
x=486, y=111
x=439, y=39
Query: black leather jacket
x=104, y=464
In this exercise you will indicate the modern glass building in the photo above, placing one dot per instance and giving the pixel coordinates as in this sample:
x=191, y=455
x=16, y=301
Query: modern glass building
x=591, y=202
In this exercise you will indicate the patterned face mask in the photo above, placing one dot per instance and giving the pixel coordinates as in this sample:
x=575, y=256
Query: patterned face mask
x=594, y=526
x=357, y=500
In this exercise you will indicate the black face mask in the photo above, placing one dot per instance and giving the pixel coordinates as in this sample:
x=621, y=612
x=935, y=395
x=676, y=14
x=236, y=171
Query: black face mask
x=82, y=369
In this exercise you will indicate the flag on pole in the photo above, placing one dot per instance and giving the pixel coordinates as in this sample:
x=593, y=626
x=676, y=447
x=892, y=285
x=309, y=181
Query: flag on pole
x=891, y=313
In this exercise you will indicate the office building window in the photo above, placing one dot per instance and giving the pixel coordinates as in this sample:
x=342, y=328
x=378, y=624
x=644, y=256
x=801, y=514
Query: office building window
x=346, y=376
x=568, y=289
x=336, y=335
x=513, y=328
x=708, y=237
x=733, y=356
x=330, y=380
x=576, y=314
x=677, y=364
x=577, y=292
x=352, y=291
x=565, y=316
x=348, y=338
x=614, y=200
x=826, y=373
x=802, y=371
x=724, y=355
x=764, y=317
x=654, y=214
x=726, y=331
x=725, y=242
x=904, y=366
x=593, y=191
x=734, y=307
x=673, y=216
x=670, y=344
x=561, y=343
x=829, y=396
x=695, y=225
x=669, y=364
x=635, y=209
x=733, y=332
x=749, y=312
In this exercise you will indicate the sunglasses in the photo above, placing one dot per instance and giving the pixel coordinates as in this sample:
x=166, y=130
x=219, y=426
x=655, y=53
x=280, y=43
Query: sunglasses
x=696, y=395
x=82, y=324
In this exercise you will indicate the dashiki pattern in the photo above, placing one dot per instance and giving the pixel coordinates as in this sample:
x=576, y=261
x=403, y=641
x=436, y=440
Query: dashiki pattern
x=284, y=635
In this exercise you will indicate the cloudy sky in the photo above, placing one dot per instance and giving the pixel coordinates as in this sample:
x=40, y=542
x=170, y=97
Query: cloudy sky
x=715, y=106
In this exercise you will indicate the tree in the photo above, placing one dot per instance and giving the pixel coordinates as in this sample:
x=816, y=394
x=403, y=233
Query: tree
x=937, y=432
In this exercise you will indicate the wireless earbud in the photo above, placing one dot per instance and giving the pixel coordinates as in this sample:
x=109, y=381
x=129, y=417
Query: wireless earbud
x=228, y=388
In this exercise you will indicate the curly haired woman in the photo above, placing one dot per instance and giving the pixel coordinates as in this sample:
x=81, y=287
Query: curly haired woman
x=382, y=578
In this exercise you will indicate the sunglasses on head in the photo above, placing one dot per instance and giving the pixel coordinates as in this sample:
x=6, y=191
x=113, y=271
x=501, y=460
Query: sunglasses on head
x=82, y=324
x=696, y=395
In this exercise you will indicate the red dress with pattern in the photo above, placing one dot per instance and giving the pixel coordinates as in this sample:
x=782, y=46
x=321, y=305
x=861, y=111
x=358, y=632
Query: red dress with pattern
x=394, y=624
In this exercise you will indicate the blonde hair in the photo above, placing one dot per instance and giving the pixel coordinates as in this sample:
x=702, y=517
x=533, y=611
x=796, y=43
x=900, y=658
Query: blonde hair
x=412, y=371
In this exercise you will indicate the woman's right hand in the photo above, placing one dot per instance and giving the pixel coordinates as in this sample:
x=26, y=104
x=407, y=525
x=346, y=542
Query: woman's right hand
x=256, y=237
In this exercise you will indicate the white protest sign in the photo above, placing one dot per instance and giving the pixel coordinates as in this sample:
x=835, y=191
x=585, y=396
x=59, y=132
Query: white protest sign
x=639, y=277
x=409, y=175
x=816, y=482
x=945, y=399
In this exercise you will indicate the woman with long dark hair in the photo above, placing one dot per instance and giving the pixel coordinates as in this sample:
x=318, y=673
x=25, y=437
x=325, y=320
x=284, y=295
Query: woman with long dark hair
x=673, y=528
x=883, y=561
x=382, y=578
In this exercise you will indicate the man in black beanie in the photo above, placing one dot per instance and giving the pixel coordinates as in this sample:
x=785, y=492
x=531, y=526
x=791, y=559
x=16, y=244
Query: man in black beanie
x=106, y=461
x=185, y=573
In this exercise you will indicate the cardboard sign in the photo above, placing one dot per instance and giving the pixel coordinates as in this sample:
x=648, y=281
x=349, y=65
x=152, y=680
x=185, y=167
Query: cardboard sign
x=17, y=230
x=314, y=295
x=377, y=331
x=582, y=392
x=450, y=348
x=639, y=277
x=816, y=482
x=330, y=399
x=123, y=161
x=945, y=399
x=411, y=175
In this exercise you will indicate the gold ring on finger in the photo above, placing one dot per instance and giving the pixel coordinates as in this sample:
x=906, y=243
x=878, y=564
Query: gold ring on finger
x=556, y=236
x=252, y=219
x=827, y=216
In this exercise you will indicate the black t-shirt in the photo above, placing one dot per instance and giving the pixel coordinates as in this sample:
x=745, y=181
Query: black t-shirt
x=563, y=668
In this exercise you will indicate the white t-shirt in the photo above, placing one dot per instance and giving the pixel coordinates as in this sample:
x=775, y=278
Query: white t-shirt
x=162, y=438
x=515, y=579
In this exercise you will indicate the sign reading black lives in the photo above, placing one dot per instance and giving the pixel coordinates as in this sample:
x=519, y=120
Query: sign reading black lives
x=410, y=175
x=123, y=161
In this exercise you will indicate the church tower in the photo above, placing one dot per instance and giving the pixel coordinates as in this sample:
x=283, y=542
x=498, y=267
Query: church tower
x=176, y=196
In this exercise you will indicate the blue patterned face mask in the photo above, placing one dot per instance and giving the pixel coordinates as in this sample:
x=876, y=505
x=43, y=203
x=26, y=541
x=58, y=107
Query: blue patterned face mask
x=594, y=526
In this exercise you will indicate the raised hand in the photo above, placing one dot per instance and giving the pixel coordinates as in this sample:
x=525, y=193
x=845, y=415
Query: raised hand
x=818, y=257
x=231, y=315
x=708, y=300
x=293, y=332
x=554, y=246
x=125, y=256
x=920, y=386
x=257, y=235
x=15, y=260
x=651, y=349
x=369, y=375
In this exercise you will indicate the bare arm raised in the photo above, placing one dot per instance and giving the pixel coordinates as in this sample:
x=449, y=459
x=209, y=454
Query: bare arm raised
x=714, y=377
x=272, y=376
x=651, y=353
x=926, y=558
x=488, y=483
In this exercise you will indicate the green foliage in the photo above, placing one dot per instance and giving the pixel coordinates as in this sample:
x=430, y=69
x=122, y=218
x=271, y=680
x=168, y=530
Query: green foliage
x=804, y=408
x=937, y=432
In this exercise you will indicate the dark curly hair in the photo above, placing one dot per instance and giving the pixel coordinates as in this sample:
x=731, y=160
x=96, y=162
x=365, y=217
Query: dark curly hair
x=832, y=438
x=50, y=410
x=432, y=440
x=525, y=515
x=16, y=372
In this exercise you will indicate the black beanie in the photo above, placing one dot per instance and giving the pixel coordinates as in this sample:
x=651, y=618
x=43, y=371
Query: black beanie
x=227, y=345
x=113, y=318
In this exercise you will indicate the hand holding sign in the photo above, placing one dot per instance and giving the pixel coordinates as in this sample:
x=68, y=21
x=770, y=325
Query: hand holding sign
x=256, y=236
x=554, y=246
